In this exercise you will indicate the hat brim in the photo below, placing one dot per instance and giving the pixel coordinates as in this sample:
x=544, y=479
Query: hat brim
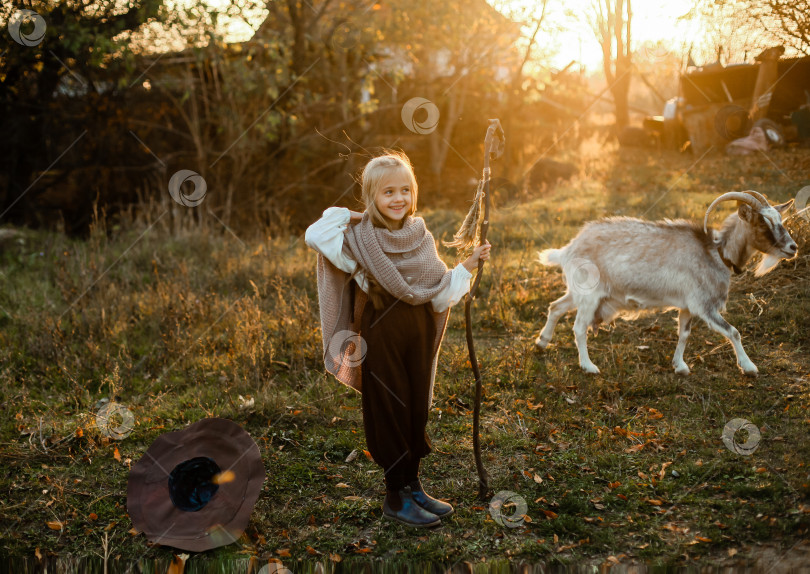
x=224, y=518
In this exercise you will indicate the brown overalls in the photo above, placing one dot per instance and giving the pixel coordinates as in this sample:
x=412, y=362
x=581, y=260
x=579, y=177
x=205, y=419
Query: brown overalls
x=396, y=376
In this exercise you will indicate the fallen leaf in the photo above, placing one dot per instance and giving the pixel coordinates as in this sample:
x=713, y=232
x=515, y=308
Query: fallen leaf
x=538, y=479
x=178, y=564
x=342, y=485
x=549, y=514
x=614, y=484
x=311, y=550
x=283, y=552
x=117, y=455
x=655, y=501
x=633, y=449
x=93, y=516
x=335, y=557
x=662, y=472
x=352, y=498
x=55, y=525
x=352, y=456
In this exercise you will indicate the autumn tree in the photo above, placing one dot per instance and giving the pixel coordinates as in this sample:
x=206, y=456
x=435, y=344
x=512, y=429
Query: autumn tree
x=757, y=24
x=611, y=22
x=53, y=48
x=516, y=92
x=456, y=52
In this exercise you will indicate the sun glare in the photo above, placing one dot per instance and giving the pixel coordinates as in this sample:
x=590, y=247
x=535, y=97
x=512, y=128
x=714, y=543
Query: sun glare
x=656, y=29
x=660, y=30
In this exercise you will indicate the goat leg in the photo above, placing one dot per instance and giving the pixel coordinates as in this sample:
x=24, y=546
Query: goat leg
x=585, y=316
x=684, y=327
x=719, y=324
x=556, y=310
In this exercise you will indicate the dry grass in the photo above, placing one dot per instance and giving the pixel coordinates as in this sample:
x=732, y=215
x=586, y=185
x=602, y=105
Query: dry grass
x=178, y=320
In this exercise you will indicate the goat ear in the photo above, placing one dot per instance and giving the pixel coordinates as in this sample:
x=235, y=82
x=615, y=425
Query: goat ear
x=745, y=212
x=783, y=207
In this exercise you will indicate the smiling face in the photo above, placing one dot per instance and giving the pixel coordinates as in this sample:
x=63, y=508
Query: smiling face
x=394, y=197
x=389, y=190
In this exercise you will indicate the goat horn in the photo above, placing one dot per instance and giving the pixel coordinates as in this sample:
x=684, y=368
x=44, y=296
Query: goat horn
x=759, y=196
x=731, y=195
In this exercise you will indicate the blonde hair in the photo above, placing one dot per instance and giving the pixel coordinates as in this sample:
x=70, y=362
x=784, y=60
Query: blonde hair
x=371, y=180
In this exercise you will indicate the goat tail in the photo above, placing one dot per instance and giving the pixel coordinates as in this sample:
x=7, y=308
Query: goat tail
x=550, y=257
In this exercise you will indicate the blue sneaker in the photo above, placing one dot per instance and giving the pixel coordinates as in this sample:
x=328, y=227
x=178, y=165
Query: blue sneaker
x=437, y=507
x=411, y=513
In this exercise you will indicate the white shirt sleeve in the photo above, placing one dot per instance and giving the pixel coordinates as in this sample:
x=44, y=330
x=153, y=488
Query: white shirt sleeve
x=326, y=237
x=452, y=294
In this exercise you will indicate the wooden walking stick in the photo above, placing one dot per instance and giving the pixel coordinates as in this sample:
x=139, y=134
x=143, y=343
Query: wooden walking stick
x=472, y=231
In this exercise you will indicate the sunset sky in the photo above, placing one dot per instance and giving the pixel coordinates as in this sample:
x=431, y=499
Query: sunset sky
x=566, y=36
x=653, y=21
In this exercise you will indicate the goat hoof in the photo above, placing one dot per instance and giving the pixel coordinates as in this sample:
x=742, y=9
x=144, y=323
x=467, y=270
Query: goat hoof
x=541, y=343
x=682, y=369
x=590, y=369
x=750, y=371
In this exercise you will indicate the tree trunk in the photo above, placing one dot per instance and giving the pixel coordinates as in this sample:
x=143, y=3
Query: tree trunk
x=620, y=91
x=613, y=29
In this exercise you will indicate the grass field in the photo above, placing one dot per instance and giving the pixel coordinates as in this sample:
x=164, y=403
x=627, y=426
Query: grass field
x=181, y=322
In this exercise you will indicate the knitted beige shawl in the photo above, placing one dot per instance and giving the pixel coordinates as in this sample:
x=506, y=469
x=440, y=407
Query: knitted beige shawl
x=405, y=263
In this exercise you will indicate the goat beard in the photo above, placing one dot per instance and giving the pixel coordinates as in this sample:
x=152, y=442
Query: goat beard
x=767, y=264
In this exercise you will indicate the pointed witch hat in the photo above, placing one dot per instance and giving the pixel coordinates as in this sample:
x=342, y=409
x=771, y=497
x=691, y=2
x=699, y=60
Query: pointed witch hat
x=194, y=489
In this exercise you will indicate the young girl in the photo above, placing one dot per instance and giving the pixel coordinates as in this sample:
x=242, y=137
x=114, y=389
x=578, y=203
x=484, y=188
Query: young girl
x=388, y=348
